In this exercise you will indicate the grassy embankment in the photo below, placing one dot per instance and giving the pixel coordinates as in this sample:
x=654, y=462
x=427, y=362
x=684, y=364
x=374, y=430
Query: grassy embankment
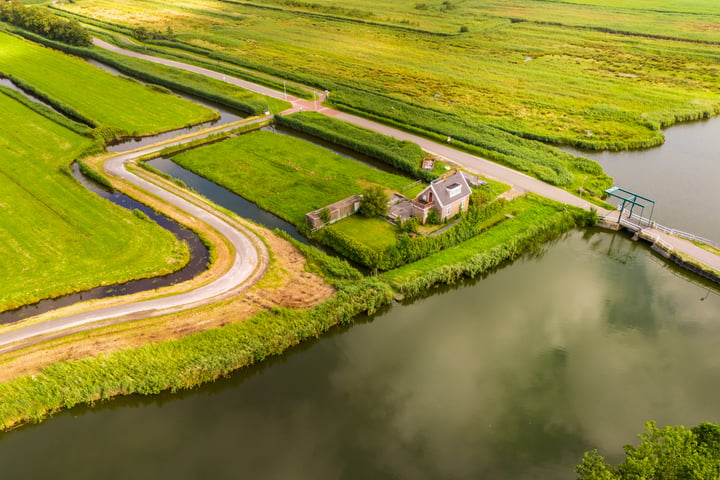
x=208, y=355
x=563, y=84
x=112, y=105
x=57, y=236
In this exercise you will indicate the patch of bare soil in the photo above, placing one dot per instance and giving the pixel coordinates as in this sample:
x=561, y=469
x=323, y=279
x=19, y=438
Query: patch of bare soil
x=286, y=284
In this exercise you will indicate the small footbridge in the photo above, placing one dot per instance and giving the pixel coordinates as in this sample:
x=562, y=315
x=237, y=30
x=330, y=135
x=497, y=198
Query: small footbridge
x=680, y=247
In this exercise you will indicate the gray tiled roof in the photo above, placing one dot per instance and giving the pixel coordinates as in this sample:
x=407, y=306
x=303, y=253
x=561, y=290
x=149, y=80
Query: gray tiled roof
x=441, y=188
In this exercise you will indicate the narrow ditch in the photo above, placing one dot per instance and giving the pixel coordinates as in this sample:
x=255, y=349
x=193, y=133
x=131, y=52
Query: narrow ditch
x=199, y=260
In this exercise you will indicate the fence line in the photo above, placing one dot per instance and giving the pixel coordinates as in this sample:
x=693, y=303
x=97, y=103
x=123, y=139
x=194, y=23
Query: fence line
x=670, y=231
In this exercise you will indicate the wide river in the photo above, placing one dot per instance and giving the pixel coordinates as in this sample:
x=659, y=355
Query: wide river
x=511, y=376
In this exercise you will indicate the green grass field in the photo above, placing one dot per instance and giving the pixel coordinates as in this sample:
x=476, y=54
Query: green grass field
x=375, y=233
x=511, y=69
x=125, y=106
x=58, y=237
x=193, y=83
x=284, y=175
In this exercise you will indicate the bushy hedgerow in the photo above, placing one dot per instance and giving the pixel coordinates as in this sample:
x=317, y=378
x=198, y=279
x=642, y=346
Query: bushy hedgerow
x=41, y=21
x=546, y=163
x=401, y=154
x=525, y=239
x=407, y=249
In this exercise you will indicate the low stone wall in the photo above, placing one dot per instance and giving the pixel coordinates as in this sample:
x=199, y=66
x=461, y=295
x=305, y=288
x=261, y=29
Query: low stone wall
x=338, y=210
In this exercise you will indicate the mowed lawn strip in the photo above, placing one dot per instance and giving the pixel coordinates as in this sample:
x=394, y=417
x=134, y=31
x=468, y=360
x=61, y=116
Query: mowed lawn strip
x=106, y=99
x=376, y=233
x=284, y=175
x=57, y=237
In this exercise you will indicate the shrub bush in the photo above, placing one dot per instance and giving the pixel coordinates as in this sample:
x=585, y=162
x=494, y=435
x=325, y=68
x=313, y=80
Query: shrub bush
x=401, y=154
x=406, y=249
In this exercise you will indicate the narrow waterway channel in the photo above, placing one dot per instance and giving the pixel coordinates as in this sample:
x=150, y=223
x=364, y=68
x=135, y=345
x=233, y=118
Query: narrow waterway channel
x=9, y=83
x=682, y=176
x=225, y=198
x=510, y=376
x=199, y=260
x=247, y=209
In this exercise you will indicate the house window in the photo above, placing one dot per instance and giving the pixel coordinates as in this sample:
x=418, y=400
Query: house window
x=447, y=211
x=453, y=190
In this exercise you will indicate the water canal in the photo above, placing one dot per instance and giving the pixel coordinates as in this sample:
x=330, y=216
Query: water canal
x=514, y=375
x=225, y=198
x=227, y=115
x=682, y=176
x=510, y=376
x=198, y=262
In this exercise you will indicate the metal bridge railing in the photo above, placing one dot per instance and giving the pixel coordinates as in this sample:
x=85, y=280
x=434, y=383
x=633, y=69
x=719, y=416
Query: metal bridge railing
x=670, y=231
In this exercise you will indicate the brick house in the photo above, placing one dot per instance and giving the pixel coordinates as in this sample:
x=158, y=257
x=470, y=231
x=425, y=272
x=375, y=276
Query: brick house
x=447, y=195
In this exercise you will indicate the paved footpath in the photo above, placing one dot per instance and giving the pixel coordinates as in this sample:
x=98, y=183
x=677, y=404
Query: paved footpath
x=250, y=263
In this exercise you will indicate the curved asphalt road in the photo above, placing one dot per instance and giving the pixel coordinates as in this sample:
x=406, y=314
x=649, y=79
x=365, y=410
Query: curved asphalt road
x=251, y=258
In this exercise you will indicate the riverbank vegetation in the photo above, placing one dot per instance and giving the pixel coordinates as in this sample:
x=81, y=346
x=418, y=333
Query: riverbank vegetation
x=208, y=355
x=673, y=452
x=533, y=222
x=112, y=105
x=514, y=67
x=57, y=236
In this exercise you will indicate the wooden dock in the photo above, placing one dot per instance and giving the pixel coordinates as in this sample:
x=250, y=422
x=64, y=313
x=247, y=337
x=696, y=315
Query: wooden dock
x=675, y=245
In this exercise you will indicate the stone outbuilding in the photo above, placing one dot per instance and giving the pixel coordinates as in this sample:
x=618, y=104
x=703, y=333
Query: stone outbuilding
x=337, y=211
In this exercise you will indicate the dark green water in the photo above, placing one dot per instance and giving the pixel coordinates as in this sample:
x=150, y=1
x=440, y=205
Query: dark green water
x=511, y=376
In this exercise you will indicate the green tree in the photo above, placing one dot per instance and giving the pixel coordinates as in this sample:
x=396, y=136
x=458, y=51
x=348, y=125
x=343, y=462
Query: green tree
x=672, y=453
x=43, y=22
x=374, y=202
x=325, y=215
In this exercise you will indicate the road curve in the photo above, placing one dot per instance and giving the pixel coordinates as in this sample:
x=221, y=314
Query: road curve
x=250, y=261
